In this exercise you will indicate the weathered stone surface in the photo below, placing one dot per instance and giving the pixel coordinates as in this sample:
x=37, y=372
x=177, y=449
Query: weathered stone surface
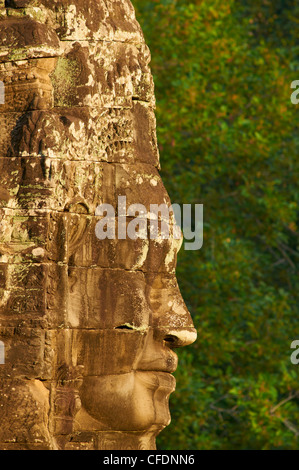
x=27, y=85
x=88, y=322
x=82, y=19
x=103, y=75
x=25, y=426
x=22, y=38
x=28, y=352
x=109, y=135
x=93, y=302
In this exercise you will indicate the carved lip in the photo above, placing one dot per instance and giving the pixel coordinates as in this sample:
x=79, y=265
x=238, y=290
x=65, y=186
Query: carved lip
x=167, y=364
x=158, y=380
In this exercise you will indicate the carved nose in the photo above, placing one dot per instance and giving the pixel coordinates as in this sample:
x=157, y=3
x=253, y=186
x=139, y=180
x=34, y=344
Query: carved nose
x=172, y=321
x=180, y=337
x=176, y=337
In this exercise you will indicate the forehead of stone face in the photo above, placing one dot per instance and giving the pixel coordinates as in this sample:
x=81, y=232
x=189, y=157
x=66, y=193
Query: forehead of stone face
x=102, y=74
x=83, y=19
x=90, y=37
x=62, y=96
x=22, y=37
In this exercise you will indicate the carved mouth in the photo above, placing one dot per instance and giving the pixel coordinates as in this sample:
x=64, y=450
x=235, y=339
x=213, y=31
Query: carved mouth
x=162, y=381
x=167, y=363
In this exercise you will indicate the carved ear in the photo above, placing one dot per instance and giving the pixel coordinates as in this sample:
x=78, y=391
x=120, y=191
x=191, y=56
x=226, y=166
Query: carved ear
x=77, y=225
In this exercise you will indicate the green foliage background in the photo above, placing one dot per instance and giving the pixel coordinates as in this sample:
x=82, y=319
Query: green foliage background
x=228, y=139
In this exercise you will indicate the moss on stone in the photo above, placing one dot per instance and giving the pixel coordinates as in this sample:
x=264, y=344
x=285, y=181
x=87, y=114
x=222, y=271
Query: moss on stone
x=64, y=79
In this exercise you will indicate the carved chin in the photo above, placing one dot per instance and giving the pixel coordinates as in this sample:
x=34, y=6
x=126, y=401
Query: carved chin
x=137, y=401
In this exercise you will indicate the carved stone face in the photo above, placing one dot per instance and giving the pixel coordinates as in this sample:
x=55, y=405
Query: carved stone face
x=128, y=315
x=89, y=325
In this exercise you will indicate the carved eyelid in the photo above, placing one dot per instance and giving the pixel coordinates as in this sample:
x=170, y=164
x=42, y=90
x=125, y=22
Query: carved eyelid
x=124, y=327
x=127, y=326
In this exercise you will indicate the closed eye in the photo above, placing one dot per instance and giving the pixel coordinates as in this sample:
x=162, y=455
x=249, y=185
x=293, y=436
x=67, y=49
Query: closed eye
x=124, y=327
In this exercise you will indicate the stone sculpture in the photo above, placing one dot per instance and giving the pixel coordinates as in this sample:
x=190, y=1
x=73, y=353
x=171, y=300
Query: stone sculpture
x=87, y=326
